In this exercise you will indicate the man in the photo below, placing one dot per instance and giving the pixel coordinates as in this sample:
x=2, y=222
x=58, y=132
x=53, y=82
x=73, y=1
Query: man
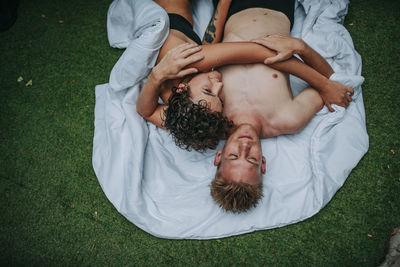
x=258, y=99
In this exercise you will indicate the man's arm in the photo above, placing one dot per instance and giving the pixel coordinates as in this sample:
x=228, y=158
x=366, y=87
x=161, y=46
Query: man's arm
x=286, y=46
x=297, y=113
x=215, y=29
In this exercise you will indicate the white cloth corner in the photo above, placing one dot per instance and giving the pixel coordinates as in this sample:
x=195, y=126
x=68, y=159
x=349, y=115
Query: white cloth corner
x=141, y=27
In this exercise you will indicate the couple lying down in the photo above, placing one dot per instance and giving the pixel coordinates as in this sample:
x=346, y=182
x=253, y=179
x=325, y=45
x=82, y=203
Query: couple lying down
x=247, y=99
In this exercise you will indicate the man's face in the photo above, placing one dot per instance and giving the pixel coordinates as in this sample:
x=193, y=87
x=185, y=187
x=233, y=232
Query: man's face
x=241, y=158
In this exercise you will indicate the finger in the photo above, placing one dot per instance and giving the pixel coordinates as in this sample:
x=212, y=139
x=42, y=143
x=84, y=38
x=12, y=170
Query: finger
x=274, y=59
x=185, y=72
x=349, y=98
x=351, y=91
x=262, y=42
x=176, y=50
x=190, y=45
x=329, y=107
x=180, y=46
x=184, y=46
x=192, y=59
x=190, y=51
x=342, y=103
x=345, y=103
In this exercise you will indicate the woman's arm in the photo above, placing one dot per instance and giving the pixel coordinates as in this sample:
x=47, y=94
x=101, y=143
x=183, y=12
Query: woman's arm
x=147, y=101
x=215, y=29
x=226, y=53
x=314, y=59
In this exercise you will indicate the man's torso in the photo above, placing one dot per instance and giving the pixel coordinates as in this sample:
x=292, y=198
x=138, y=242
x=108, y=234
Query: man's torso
x=255, y=90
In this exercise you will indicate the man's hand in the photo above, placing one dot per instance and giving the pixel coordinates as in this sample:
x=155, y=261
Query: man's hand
x=286, y=46
x=336, y=93
x=173, y=64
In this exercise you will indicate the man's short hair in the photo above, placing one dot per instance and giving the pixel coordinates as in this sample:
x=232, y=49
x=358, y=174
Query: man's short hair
x=235, y=197
x=194, y=125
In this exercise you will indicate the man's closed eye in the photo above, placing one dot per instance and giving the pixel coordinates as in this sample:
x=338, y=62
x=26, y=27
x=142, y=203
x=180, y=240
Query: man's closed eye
x=233, y=156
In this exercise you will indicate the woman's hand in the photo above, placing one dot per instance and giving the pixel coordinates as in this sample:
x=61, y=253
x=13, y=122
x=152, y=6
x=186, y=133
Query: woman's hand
x=173, y=64
x=336, y=93
x=286, y=46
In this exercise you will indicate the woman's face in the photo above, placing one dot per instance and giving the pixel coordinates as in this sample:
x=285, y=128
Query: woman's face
x=208, y=86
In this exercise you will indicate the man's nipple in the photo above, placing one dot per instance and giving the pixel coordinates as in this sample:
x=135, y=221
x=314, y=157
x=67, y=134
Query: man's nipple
x=275, y=75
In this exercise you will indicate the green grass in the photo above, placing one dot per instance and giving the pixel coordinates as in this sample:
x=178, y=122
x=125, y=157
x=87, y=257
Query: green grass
x=53, y=211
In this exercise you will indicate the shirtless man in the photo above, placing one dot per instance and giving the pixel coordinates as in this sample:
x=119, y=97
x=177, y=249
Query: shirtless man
x=258, y=99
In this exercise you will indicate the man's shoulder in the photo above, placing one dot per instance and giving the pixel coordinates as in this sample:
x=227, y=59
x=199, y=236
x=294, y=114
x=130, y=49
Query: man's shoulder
x=279, y=122
x=272, y=126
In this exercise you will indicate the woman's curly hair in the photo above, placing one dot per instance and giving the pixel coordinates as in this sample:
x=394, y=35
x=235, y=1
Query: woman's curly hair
x=194, y=126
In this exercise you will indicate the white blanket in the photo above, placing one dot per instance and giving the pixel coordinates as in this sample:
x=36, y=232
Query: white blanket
x=165, y=190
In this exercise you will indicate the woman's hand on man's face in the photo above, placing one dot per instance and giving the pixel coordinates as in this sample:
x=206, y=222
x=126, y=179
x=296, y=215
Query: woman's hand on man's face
x=173, y=64
x=286, y=46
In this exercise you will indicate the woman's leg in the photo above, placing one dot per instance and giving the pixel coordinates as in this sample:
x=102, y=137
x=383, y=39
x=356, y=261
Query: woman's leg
x=180, y=7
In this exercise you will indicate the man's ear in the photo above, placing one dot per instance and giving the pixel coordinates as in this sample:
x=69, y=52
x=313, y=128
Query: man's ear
x=217, y=159
x=181, y=88
x=263, y=164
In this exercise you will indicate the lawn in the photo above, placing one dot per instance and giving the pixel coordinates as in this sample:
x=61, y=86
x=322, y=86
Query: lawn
x=53, y=211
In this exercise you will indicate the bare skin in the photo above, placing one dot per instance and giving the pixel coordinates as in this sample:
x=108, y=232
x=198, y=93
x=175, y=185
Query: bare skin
x=241, y=159
x=180, y=57
x=258, y=99
x=214, y=30
x=259, y=92
x=177, y=52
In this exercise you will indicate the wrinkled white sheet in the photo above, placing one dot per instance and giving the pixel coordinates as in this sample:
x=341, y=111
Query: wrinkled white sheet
x=164, y=190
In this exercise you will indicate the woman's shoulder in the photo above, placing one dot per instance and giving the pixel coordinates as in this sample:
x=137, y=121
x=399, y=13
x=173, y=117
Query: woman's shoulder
x=174, y=39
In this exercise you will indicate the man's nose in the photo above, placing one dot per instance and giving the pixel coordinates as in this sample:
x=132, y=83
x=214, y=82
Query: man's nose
x=244, y=147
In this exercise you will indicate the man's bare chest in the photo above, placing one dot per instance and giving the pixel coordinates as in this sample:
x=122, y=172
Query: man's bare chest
x=254, y=87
